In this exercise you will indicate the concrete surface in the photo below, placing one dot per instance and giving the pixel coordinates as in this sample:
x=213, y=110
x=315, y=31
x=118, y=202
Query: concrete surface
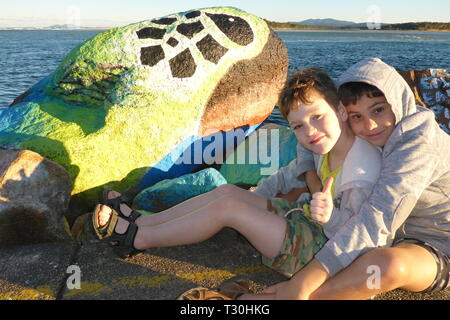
x=34, y=272
x=41, y=272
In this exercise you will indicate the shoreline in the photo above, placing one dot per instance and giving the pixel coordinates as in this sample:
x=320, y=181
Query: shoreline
x=274, y=29
x=355, y=30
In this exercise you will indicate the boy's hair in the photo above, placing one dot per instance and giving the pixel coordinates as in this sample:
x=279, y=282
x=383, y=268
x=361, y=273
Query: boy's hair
x=299, y=87
x=351, y=92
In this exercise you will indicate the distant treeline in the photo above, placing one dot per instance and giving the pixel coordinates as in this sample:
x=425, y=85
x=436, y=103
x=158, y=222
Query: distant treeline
x=285, y=25
x=423, y=26
x=441, y=26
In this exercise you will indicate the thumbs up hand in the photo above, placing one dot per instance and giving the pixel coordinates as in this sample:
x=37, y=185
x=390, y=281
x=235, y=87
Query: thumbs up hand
x=322, y=203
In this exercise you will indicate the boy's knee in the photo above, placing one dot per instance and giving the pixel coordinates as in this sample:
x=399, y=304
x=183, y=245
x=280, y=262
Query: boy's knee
x=393, y=269
x=226, y=203
x=229, y=208
x=227, y=189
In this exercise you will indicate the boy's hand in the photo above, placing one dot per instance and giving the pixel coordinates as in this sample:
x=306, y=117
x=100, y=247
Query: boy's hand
x=322, y=203
x=302, y=285
x=286, y=290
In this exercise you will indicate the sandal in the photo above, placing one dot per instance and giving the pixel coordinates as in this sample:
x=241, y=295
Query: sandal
x=235, y=287
x=122, y=243
x=201, y=293
x=229, y=290
x=115, y=205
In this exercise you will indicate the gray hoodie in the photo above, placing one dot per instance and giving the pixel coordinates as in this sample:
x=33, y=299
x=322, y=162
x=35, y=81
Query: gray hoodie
x=412, y=195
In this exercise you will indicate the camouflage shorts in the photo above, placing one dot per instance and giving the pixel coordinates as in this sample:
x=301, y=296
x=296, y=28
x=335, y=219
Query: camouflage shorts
x=304, y=238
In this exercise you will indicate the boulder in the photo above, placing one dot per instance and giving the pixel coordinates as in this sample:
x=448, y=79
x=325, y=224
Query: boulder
x=431, y=88
x=170, y=192
x=34, y=195
x=262, y=154
x=124, y=100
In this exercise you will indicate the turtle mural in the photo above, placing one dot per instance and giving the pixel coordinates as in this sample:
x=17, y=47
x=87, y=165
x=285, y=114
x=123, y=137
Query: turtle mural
x=124, y=105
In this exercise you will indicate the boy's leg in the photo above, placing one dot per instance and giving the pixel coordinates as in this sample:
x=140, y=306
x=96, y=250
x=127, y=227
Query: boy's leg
x=263, y=229
x=407, y=266
x=200, y=201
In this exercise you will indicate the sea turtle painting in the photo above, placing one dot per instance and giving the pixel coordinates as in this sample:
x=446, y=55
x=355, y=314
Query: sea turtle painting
x=122, y=106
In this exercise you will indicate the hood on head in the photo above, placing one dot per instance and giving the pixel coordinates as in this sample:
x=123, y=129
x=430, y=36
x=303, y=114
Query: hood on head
x=375, y=72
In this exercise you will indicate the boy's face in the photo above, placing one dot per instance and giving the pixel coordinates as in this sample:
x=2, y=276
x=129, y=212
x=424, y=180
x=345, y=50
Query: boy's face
x=315, y=125
x=372, y=119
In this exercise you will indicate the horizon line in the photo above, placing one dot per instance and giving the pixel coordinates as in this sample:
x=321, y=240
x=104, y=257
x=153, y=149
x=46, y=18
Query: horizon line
x=54, y=26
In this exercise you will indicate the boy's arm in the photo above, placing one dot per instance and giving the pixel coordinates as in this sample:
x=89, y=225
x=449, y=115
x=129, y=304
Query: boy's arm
x=282, y=181
x=313, y=185
x=313, y=182
x=292, y=195
x=406, y=171
x=289, y=177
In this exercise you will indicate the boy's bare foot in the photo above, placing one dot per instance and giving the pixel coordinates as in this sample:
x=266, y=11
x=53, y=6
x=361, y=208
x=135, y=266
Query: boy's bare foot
x=105, y=214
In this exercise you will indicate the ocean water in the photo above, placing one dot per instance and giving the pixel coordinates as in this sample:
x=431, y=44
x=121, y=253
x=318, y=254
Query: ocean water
x=335, y=51
x=28, y=56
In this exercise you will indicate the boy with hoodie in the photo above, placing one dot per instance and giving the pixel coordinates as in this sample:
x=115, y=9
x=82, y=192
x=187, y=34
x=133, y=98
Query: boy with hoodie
x=401, y=234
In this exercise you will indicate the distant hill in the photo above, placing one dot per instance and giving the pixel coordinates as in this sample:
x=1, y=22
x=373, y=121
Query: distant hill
x=326, y=23
x=334, y=23
x=73, y=27
x=341, y=24
x=64, y=26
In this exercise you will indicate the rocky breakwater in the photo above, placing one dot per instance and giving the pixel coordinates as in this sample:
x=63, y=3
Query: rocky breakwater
x=121, y=102
x=34, y=196
x=431, y=88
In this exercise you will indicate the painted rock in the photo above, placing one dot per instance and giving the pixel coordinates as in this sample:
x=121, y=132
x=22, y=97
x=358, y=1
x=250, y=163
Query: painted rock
x=170, y=192
x=431, y=88
x=120, y=103
x=269, y=148
x=34, y=196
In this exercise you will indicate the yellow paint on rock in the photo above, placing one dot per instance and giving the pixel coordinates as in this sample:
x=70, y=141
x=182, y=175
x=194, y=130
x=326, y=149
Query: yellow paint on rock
x=26, y=294
x=89, y=288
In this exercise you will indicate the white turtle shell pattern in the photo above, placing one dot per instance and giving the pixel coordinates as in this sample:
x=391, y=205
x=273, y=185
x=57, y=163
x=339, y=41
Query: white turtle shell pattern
x=189, y=48
x=175, y=59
